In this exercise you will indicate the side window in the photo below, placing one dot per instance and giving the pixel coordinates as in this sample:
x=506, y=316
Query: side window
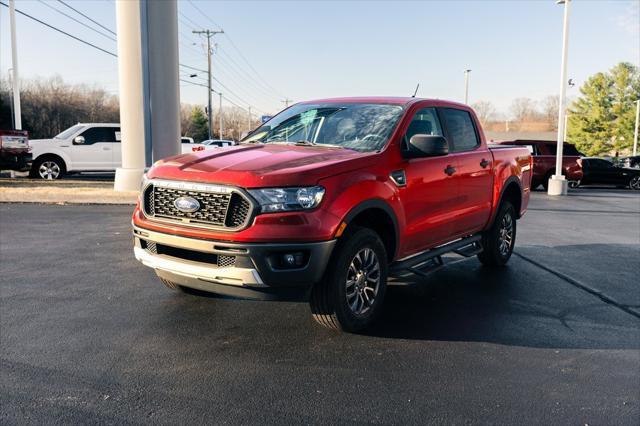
x=461, y=129
x=424, y=122
x=99, y=134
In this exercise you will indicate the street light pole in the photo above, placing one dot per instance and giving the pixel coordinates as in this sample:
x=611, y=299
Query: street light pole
x=558, y=185
x=635, y=133
x=14, y=63
x=466, y=86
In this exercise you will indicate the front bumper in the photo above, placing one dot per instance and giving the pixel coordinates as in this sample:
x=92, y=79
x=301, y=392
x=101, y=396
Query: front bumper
x=236, y=269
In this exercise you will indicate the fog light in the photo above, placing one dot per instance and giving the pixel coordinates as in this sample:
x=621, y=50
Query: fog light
x=292, y=260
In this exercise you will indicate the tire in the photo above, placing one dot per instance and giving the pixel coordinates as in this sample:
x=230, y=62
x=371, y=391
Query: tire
x=358, y=273
x=171, y=285
x=496, y=250
x=49, y=168
x=573, y=184
x=634, y=183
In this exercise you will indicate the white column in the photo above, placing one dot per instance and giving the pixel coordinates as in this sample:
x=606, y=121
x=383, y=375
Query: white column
x=14, y=63
x=558, y=185
x=131, y=85
x=635, y=133
x=164, y=91
x=149, y=91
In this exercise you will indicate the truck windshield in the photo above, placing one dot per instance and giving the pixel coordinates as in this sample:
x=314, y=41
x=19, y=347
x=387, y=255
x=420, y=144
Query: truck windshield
x=70, y=131
x=357, y=126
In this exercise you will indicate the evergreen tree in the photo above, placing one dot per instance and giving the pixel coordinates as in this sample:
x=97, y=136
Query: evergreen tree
x=199, y=129
x=602, y=120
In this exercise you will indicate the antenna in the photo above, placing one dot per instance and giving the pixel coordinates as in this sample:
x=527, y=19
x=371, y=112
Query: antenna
x=414, y=93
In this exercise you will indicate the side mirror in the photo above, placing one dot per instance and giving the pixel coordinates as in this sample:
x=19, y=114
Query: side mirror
x=78, y=140
x=426, y=146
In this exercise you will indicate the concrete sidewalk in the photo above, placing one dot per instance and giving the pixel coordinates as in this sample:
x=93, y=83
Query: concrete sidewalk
x=62, y=192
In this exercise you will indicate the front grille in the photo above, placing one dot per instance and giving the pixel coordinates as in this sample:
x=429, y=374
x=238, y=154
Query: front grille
x=228, y=209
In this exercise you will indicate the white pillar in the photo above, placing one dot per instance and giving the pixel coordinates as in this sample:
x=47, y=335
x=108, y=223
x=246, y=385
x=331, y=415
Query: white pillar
x=14, y=63
x=149, y=91
x=164, y=90
x=132, y=105
x=635, y=133
x=558, y=185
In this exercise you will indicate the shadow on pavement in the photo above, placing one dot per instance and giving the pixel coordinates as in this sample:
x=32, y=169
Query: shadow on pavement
x=520, y=304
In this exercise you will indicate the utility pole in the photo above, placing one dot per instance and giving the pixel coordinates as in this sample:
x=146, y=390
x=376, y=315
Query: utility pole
x=249, y=121
x=14, y=63
x=635, y=133
x=220, y=117
x=466, y=86
x=209, y=34
x=286, y=101
x=558, y=184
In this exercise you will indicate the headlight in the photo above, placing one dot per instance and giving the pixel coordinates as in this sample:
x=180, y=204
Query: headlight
x=287, y=199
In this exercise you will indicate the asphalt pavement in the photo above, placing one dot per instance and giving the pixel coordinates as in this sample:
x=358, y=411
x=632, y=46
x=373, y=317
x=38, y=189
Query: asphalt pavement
x=88, y=335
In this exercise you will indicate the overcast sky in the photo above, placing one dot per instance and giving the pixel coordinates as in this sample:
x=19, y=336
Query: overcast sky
x=305, y=50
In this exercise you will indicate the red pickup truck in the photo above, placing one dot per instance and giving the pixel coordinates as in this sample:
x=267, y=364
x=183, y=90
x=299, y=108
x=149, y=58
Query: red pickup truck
x=330, y=198
x=544, y=161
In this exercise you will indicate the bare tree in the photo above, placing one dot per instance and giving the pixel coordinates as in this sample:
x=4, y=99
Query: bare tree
x=485, y=111
x=523, y=109
x=550, y=107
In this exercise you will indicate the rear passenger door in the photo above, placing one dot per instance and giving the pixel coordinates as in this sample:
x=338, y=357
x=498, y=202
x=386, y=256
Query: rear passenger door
x=473, y=176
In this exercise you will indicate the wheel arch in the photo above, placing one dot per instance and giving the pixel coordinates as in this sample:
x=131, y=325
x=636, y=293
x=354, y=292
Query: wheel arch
x=512, y=192
x=379, y=216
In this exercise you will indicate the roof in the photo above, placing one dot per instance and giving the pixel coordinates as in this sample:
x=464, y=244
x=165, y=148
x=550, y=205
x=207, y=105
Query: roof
x=98, y=124
x=394, y=100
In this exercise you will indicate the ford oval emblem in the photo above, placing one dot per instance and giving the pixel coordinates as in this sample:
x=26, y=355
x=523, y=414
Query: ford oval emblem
x=186, y=204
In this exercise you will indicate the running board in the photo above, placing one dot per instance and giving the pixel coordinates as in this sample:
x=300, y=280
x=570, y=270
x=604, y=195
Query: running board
x=430, y=260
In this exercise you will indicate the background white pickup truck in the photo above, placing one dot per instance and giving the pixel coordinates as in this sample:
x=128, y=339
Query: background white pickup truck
x=85, y=147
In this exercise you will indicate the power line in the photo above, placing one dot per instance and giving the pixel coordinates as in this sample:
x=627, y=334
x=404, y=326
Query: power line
x=82, y=14
x=276, y=92
x=76, y=20
x=61, y=31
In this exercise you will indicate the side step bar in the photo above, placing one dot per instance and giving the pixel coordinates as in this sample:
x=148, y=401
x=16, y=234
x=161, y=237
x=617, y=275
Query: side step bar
x=430, y=260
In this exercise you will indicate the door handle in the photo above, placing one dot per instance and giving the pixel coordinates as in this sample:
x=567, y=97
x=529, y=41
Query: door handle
x=450, y=170
x=484, y=163
x=106, y=149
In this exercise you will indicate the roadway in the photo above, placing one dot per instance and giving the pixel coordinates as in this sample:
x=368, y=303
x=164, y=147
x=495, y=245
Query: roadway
x=89, y=335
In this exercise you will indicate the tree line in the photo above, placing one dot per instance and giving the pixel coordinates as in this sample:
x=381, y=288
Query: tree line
x=50, y=106
x=601, y=120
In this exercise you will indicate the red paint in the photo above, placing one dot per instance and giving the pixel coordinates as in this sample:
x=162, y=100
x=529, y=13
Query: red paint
x=431, y=209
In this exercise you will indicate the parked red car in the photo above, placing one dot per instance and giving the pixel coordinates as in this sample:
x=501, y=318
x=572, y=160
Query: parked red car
x=329, y=198
x=15, y=153
x=544, y=161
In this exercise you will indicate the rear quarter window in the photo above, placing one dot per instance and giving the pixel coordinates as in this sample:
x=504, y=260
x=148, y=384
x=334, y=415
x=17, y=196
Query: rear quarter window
x=461, y=129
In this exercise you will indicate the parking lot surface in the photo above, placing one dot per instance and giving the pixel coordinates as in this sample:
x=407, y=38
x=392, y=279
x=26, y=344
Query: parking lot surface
x=89, y=335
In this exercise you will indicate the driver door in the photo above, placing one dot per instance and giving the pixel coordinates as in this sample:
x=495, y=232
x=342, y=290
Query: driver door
x=96, y=153
x=430, y=196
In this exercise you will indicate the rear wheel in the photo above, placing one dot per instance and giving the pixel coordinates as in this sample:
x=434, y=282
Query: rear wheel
x=350, y=296
x=634, y=183
x=573, y=184
x=499, y=240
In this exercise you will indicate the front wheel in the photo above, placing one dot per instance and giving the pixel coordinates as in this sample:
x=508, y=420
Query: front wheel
x=634, y=183
x=350, y=296
x=50, y=168
x=499, y=240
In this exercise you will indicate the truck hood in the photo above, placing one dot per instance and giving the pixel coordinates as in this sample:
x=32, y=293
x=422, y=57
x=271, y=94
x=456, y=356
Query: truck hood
x=261, y=165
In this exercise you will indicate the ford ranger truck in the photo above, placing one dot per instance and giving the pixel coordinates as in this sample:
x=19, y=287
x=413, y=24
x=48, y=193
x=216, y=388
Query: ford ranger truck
x=328, y=200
